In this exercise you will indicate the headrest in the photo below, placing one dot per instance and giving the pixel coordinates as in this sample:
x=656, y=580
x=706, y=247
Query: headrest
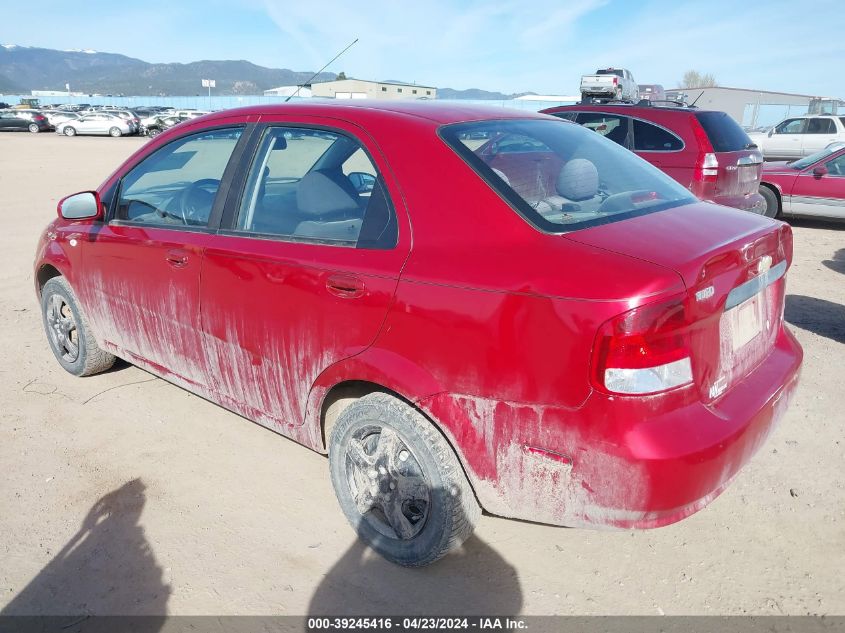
x=578, y=180
x=319, y=195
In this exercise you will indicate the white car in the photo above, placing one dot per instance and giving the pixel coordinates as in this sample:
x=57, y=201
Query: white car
x=800, y=136
x=95, y=123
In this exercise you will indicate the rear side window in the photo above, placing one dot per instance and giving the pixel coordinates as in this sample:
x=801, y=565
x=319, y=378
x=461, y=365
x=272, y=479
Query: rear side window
x=651, y=138
x=317, y=186
x=569, y=115
x=724, y=133
x=821, y=126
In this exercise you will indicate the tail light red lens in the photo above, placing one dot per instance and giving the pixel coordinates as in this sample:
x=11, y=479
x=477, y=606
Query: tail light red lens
x=645, y=350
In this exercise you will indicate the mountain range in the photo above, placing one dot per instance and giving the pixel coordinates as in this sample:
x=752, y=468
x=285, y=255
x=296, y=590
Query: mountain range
x=24, y=68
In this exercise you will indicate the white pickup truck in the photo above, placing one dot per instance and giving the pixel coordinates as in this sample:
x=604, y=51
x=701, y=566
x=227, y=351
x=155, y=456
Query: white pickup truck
x=610, y=83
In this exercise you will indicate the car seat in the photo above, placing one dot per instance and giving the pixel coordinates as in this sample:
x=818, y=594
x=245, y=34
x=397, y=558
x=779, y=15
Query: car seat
x=332, y=212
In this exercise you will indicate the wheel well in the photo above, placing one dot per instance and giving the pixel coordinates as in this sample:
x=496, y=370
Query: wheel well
x=45, y=274
x=775, y=191
x=343, y=394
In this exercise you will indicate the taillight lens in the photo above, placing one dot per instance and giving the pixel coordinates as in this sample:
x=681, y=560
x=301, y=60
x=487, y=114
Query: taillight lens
x=645, y=350
x=615, y=80
x=709, y=167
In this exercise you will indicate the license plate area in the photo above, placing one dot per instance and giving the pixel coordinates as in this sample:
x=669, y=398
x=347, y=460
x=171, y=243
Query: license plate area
x=745, y=321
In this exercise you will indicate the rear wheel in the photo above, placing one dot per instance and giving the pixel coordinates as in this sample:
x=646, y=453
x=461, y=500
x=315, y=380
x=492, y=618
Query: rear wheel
x=34, y=128
x=115, y=131
x=398, y=481
x=618, y=95
x=771, y=206
x=68, y=332
x=153, y=132
x=69, y=131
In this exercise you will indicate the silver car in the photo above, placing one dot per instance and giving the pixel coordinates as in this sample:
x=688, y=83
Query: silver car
x=95, y=123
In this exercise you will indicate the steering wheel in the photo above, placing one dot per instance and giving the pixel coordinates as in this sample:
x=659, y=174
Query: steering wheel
x=196, y=200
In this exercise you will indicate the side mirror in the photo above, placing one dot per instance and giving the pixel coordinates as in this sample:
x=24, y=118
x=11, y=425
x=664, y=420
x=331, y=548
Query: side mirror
x=81, y=206
x=362, y=182
x=820, y=171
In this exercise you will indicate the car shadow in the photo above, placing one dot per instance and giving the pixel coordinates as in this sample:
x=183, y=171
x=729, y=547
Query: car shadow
x=837, y=262
x=822, y=317
x=832, y=224
x=106, y=568
x=472, y=580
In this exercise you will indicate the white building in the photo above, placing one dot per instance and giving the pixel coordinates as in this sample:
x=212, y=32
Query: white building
x=288, y=91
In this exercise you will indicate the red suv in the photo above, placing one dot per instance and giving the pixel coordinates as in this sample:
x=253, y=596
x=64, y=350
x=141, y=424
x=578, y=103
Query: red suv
x=704, y=150
x=464, y=307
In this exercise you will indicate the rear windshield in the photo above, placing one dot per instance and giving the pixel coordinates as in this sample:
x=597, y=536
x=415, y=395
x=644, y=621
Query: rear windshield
x=724, y=133
x=610, y=71
x=562, y=177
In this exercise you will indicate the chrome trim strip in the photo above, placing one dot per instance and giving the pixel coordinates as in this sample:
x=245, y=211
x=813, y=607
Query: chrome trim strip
x=744, y=292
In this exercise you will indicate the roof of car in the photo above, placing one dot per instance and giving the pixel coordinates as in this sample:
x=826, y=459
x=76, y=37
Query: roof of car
x=626, y=107
x=431, y=110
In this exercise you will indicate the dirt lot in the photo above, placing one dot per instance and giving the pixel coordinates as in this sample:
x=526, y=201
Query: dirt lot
x=123, y=494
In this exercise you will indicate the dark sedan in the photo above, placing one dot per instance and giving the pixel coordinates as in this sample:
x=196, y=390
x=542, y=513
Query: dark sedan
x=12, y=120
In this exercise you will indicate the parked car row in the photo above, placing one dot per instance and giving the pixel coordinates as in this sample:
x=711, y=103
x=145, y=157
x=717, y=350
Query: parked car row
x=102, y=120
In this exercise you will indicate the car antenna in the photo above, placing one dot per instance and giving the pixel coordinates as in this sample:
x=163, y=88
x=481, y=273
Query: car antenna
x=692, y=105
x=298, y=88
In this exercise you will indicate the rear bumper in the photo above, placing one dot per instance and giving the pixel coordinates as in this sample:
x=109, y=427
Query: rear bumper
x=753, y=202
x=617, y=462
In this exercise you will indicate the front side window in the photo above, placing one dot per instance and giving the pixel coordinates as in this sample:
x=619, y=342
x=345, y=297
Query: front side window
x=177, y=185
x=820, y=126
x=569, y=179
x=836, y=167
x=316, y=186
x=790, y=126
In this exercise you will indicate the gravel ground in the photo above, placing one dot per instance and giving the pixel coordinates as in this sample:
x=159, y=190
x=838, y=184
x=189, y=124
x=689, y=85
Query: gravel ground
x=122, y=494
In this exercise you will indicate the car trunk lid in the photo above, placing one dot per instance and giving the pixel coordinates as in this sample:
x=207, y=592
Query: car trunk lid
x=733, y=265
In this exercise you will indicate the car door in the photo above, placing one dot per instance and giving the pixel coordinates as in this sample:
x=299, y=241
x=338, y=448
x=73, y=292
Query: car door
x=142, y=267
x=820, y=132
x=786, y=139
x=821, y=194
x=304, y=268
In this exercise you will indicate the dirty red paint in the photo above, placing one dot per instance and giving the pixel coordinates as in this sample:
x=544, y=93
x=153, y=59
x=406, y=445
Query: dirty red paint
x=484, y=322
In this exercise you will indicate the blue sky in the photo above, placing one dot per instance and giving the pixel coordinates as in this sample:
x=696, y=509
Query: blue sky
x=507, y=45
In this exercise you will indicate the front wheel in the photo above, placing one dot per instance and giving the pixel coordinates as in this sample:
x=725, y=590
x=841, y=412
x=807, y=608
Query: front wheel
x=69, y=131
x=34, y=128
x=68, y=332
x=771, y=206
x=115, y=132
x=398, y=481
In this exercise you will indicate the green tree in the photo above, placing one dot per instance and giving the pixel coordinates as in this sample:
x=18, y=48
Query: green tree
x=341, y=75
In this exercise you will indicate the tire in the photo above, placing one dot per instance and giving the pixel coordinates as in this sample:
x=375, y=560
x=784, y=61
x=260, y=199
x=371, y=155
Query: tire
x=68, y=332
x=618, y=95
x=34, y=128
x=69, y=131
x=115, y=132
x=772, y=208
x=585, y=98
x=387, y=460
x=154, y=132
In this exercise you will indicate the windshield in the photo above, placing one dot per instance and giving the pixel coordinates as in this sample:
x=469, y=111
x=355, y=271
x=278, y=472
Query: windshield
x=561, y=176
x=814, y=158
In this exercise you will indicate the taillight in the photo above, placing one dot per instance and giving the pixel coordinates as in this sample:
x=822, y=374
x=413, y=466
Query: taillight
x=709, y=168
x=645, y=350
x=615, y=80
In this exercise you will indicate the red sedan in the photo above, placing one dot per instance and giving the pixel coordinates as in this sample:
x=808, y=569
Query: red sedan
x=811, y=186
x=465, y=308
